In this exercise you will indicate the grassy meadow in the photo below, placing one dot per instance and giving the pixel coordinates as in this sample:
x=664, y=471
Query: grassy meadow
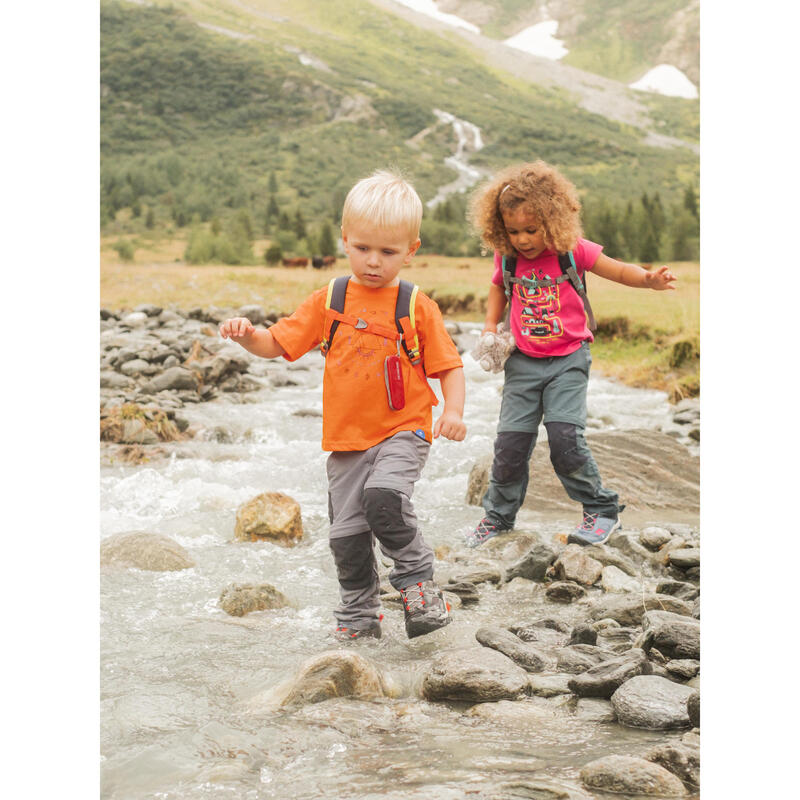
x=644, y=338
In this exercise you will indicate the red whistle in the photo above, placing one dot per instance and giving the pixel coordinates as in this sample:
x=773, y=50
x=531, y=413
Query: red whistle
x=395, y=390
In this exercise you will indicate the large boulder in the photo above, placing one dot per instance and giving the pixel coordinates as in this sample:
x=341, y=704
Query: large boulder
x=680, y=760
x=674, y=635
x=658, y=473
x=534, y=564
x=476, y=676
x=150, y=551
x=172, y=378
x=574, y=565
x=628, y=775
x=650, y=701
x=629, y=610
x=271, y=516
x=242, y=598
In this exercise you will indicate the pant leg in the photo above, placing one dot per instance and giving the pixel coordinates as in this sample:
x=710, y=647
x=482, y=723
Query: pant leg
x=389, y=511
x=520, y=415
x=359, y=585
x=564, y=399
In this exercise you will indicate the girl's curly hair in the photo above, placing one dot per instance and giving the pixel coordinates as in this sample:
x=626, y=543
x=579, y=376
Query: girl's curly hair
x=543, y=191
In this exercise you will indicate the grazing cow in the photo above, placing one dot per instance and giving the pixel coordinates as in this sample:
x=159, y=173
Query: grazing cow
x=316, y=262
x=295, y=262
x=328, y=261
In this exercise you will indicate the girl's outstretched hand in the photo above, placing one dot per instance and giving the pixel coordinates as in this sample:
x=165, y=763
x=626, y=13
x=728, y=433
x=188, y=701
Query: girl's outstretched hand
x=236, y=328
x=660, y=279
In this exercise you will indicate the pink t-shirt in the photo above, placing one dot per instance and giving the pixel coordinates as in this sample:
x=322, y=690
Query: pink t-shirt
x=550, y=320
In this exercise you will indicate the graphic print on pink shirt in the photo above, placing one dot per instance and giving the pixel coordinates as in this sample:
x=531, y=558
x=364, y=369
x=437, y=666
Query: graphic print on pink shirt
x=549, y=320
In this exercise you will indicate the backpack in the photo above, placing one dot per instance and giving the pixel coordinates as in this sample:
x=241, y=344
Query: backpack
x=569, y=271
x=405, y=332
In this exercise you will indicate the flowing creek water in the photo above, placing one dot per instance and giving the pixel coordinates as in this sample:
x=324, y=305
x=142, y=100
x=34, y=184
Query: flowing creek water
x=180, y=679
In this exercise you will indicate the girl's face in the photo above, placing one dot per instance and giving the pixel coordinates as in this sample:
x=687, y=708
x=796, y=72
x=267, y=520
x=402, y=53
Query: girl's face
x=524, y=231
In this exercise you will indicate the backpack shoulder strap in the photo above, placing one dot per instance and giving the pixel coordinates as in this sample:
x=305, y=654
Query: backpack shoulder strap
x=405, y=319
x=509, y=267
x=567, y=263
x=337, y=291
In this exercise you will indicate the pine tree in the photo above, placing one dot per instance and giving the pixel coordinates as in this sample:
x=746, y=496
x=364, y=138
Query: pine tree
x=299, y=226
x=629, y=231
x=690, y=201
x=273, y=183
x=327, y=245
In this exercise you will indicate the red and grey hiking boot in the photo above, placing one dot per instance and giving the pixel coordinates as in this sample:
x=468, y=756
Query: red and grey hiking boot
x=594, y=529
x=425, y=608
x=485, y=530
x=344, y=634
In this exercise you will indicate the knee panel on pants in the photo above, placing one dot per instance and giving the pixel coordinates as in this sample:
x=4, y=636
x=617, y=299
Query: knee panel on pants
x=354, y=559
x=566, y=454
x=511, y=451
x=383, y=509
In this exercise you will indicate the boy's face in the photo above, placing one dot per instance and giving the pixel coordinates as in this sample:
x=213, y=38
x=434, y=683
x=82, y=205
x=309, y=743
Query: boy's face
x=524, y=231
x=376, y=255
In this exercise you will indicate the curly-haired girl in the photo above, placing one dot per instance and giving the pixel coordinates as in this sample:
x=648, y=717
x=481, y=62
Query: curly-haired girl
x=530, y=215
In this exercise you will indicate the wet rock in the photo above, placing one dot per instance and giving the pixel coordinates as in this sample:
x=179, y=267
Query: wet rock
x=135, y=431
x=618, y=639
x=539, y=789
x=549, y=685
x=693, y=709
x=564, y=591
x=676, y=636
x=150, y=551
x=605, y=678
x=615, y=581
x=541, y=635
x=474, y=676
x=611, y=557
x=113, y=380
x=685, y=558
x=595, y=709
x=683, y=668
x=574, y=565
x=476, y=576
x=680, y=589
x=534, y=564
x=270, y=516
x=680, y=760
x=654, y=537
x=528, y=657
x=336, y=673
x=628, y=610
x=583, y=634
x=577, y=658
x=307, y=412
x=628, y=775
x=649, y=701
x=468, y=592
x=242, y=598
x=177, y=378
x=515, y=713
x=629, y=545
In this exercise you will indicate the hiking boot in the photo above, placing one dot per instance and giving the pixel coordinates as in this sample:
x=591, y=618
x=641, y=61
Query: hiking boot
x=485, y=530
x=425, y=608
x=344, y=634
x=594, y=529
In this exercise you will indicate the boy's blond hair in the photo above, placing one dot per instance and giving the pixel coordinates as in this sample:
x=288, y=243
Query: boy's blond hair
x=386, y=200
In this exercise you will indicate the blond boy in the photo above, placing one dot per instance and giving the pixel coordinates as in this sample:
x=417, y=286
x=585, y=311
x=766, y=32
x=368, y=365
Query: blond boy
x=377, y=419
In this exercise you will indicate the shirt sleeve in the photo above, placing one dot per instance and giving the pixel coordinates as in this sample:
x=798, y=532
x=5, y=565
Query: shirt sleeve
x=497, y=276
x=586, y=253
x=439, y=354
x=303, y=330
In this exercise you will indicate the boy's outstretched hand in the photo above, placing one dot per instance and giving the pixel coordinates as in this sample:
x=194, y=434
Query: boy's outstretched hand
x=236, y=328
x=660, y=279
x=451, y=426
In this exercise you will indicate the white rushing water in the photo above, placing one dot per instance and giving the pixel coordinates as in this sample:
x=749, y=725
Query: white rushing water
x=183, y=683
x=468, y=140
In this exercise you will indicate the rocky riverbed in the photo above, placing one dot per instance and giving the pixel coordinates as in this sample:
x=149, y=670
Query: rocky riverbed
x=568, y=672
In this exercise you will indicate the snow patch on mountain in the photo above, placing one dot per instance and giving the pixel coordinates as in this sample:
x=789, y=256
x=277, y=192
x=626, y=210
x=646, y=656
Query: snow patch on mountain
x=428, y=7
x=539, y=40
x=667, y=80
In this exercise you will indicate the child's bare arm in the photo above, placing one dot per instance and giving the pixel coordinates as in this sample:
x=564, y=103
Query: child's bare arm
x=633, y=275
x=450, y=424
x=495, y=306
x=258, y=342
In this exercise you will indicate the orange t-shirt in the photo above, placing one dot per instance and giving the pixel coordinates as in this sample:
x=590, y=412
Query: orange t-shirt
x=355, y=409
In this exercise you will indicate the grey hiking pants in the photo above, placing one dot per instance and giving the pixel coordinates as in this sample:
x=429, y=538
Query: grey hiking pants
x=554, y=390
x=369, y=498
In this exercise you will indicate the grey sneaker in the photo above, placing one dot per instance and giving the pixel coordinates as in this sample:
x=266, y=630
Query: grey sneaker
x=425, y=608
x=344, y=634
x=485, y=530
x=594, y=529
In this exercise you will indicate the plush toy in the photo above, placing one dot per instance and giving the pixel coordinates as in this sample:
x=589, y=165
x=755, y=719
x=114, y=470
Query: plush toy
x=493, y=349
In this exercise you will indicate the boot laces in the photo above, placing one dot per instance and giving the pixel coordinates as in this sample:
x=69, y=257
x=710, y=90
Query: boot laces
x=484, y=530
x=588, y=521
x=413, y=597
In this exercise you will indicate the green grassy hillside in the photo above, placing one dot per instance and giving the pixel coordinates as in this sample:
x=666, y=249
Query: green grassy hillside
x=224, y=127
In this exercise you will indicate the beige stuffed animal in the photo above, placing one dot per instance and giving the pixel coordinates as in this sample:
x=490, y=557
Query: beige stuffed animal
x=493, y=349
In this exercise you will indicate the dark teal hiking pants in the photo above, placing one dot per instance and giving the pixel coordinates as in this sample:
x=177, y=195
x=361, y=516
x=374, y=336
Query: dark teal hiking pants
x=552, y=390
